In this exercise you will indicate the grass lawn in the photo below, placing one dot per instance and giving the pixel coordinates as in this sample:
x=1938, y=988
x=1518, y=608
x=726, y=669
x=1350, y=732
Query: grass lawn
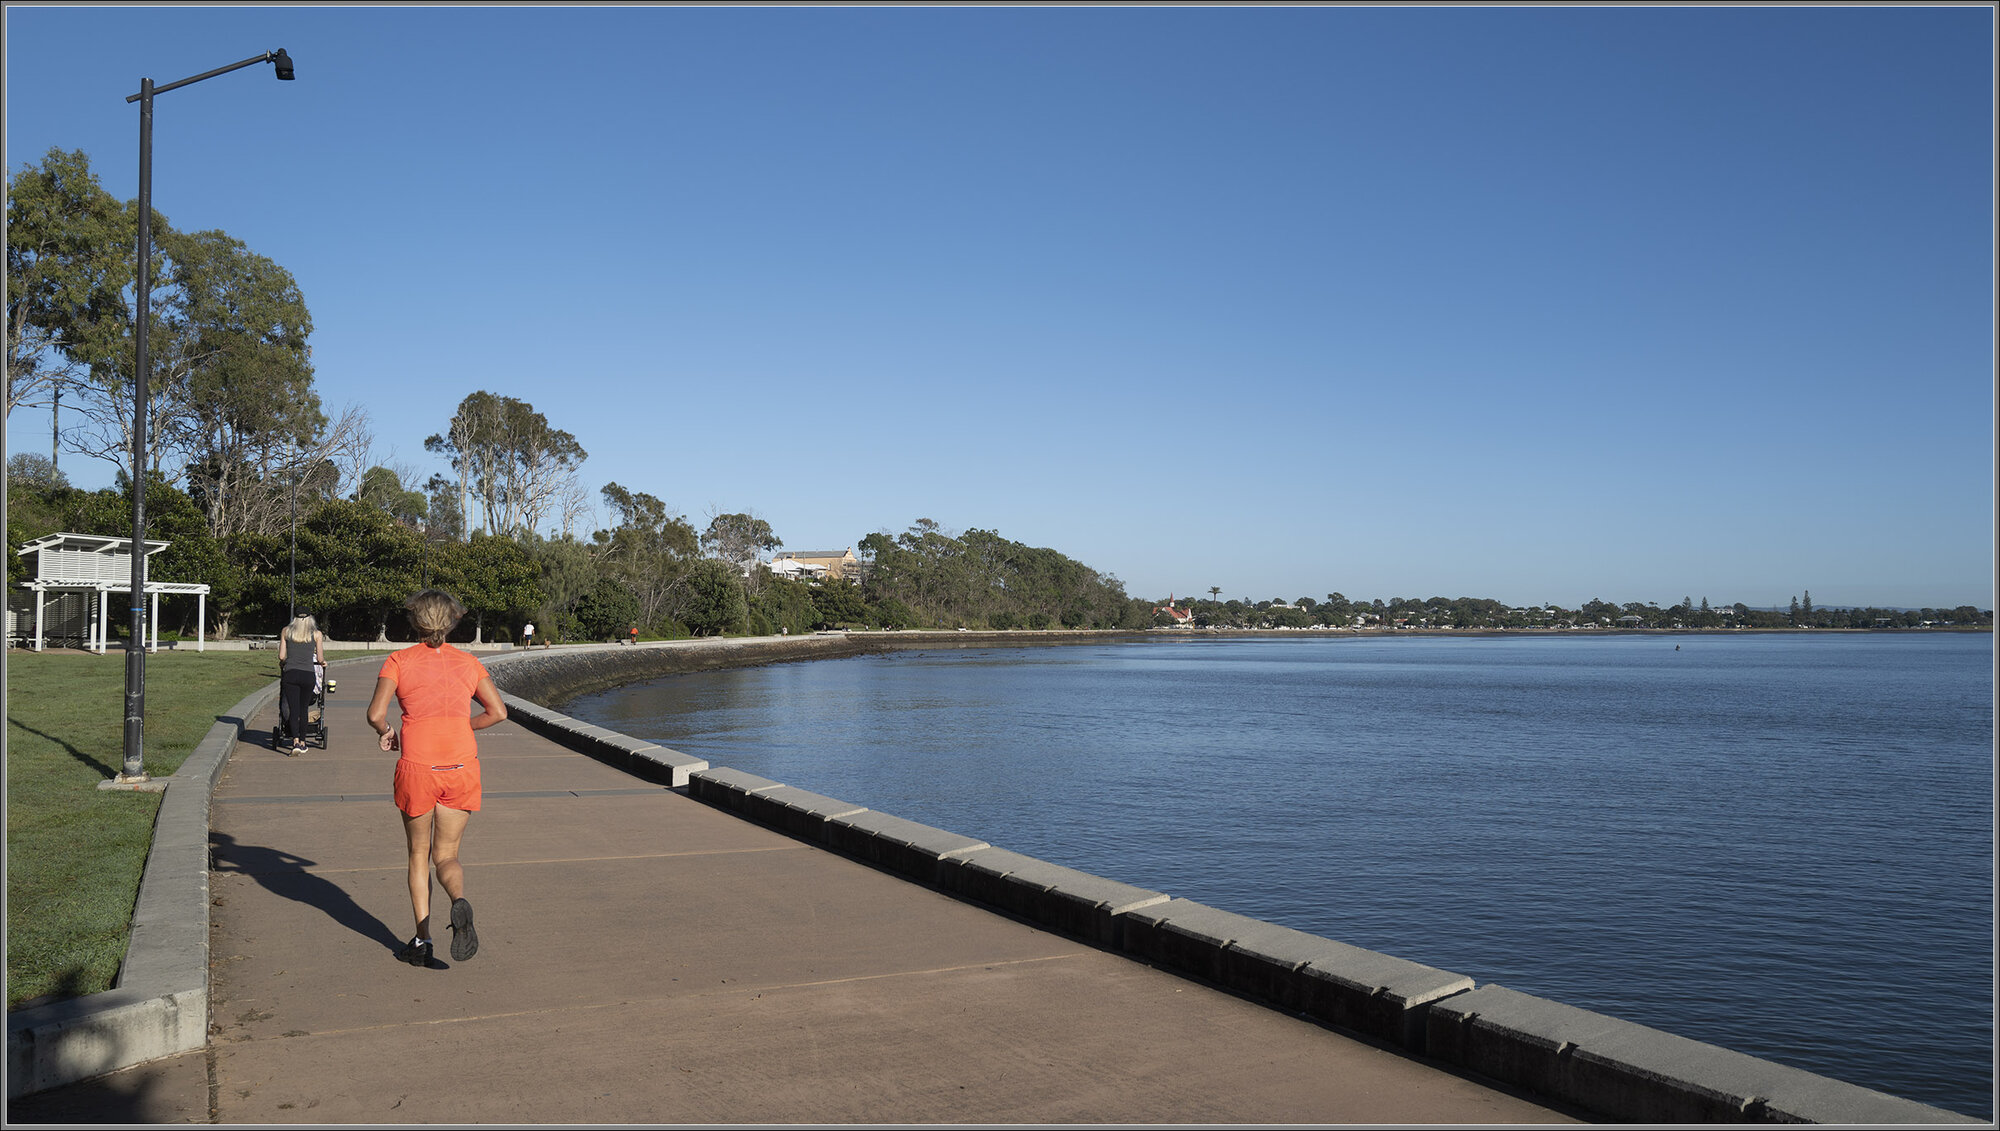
x=75, y=853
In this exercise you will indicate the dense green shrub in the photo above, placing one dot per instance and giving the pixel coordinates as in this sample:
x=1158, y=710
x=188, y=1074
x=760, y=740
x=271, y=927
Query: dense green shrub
x=715, y=604
x=608, y=611
x=893, y=614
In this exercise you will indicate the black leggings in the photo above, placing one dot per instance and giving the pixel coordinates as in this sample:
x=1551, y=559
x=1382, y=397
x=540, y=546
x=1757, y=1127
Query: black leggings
x=297, y=688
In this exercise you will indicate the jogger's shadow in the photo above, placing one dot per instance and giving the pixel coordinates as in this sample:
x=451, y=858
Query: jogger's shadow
x=283, y=873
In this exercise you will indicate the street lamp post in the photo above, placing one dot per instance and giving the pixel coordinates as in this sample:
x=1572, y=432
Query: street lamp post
x=135, y=652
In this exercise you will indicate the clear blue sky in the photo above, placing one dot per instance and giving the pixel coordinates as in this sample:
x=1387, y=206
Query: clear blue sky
x=1539, y=304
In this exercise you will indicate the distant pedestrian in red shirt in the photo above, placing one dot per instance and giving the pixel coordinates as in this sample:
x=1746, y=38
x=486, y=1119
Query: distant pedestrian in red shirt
x=437, y=784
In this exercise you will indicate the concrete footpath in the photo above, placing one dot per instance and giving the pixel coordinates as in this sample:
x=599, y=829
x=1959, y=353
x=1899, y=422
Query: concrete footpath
x=646, y=958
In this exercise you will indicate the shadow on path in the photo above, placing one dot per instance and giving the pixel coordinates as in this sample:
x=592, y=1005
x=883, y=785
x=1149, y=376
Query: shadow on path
x=285, y=874
x=133, y=1096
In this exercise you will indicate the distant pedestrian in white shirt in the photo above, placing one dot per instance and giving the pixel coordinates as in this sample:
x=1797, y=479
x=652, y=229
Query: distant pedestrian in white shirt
x=528, y=635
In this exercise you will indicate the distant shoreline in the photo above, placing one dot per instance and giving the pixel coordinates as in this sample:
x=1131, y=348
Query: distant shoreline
x=1060, y=635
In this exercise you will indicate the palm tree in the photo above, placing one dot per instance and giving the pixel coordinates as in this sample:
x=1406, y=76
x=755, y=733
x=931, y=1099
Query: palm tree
x=1215, y=591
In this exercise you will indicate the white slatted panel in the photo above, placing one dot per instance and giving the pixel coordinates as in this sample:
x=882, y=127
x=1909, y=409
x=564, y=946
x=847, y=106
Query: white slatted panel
x=76, y=565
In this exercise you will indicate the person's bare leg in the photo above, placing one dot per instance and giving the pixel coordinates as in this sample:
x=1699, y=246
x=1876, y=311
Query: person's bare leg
x=450, y=830
x=417, y=831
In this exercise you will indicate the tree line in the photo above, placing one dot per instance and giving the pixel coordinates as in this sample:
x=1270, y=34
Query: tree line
x=650, y=575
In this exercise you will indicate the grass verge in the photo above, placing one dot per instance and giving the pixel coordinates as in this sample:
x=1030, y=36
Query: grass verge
x=75, y=853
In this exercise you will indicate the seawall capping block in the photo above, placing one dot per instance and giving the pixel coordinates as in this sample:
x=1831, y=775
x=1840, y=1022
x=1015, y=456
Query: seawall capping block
x=1187, y=936
x=647, y=760
x=1629, y=1071
x=609, y=747
x=795, y=811
x=904, y=847
x=726, y=789
x=1364, y=991
x=625, y=742
x=1076, y=903
x=666, y=766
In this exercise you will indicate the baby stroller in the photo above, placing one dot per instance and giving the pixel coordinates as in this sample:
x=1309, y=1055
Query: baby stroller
x=315, y=712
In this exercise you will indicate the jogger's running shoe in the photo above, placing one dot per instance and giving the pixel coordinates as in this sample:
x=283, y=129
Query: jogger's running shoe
x=415, y=953
x=464, y=940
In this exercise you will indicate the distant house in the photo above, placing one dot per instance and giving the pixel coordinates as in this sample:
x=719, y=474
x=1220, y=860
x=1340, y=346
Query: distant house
x=796, y=569
x=831, y=563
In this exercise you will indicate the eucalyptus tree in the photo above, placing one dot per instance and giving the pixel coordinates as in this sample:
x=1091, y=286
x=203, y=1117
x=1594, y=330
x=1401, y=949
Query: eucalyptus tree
x=382, y=487
x=69, y=260
x=444, y=517
x=462, y=445
x=510, y=460
x=231, y=380
x=650, y=550
x=737, y=538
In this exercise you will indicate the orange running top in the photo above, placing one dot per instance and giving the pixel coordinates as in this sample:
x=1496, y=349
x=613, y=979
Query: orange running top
x=434, y=686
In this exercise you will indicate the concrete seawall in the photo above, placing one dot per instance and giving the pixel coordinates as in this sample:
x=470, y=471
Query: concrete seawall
x=1618, y=1069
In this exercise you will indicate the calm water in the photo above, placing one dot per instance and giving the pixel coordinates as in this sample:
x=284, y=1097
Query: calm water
x=1779, y=844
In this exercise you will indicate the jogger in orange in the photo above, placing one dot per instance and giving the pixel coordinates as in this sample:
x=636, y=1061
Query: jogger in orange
x=437, y=784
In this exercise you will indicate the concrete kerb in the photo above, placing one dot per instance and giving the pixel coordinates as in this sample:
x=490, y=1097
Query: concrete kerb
x=158, y=1005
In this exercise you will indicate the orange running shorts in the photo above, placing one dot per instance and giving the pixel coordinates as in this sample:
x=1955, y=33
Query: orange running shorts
x=420, y=786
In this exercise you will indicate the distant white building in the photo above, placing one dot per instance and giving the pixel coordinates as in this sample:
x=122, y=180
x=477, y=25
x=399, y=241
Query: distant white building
x=832, y=563
x=797, y=569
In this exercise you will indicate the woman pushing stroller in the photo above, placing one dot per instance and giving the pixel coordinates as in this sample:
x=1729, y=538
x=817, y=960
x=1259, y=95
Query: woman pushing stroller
x=301, y=660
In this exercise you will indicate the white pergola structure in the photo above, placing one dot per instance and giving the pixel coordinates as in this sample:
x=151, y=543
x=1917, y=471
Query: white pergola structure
x=96, y=563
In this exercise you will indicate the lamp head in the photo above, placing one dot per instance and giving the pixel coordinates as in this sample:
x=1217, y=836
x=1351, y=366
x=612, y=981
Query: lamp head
x=283, y=63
